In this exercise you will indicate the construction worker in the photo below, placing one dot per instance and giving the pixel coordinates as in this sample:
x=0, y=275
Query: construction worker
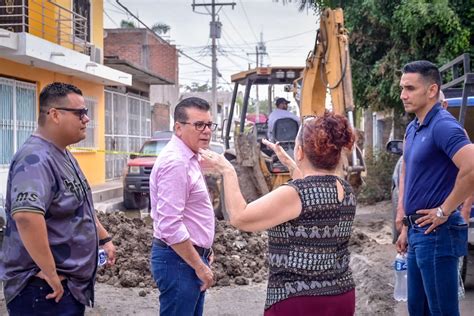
x=280, y=112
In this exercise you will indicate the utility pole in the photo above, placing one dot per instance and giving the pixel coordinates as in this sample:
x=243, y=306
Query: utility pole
x=260, y=50
x=215, y=32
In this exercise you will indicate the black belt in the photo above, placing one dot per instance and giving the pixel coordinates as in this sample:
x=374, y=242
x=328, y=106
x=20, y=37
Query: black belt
x=36, y=281
x=204, y=252
x=410, y=219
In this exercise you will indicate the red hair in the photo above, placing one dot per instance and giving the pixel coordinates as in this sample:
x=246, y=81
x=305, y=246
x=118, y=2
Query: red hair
x=323, y=139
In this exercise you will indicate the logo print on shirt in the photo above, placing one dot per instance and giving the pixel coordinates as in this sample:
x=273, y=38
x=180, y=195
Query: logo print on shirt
x=26, y=196
x=73, y=187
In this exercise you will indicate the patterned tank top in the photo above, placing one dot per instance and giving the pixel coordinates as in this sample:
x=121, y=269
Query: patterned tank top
x=309, y=255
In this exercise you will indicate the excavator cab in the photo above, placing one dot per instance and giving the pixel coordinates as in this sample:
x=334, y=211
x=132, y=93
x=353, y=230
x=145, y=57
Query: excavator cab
x=324, y=82
x=249, y=152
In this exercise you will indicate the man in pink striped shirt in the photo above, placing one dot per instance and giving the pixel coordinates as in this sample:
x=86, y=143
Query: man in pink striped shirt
x=182, y=213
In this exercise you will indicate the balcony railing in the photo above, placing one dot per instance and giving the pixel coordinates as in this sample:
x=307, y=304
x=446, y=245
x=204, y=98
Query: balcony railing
x=48, y=20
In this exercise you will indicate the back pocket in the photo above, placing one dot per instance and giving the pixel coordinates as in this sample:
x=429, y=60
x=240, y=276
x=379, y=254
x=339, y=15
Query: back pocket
x=458, y=234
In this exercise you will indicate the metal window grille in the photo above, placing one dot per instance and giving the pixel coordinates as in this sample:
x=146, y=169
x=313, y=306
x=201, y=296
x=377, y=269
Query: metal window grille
x=17, y=116
x=50, y=21
x=127, y=126
x=91, y=130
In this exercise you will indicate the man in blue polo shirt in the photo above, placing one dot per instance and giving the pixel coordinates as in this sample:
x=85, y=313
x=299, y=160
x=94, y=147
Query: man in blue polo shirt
x=280, y=112
x=439, y=175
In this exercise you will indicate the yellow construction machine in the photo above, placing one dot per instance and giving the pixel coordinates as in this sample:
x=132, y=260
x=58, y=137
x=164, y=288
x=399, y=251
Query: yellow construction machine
x=327, y=73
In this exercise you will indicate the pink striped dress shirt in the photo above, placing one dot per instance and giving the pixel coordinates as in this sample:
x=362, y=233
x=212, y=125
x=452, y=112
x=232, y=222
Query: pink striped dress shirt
x=180, y=205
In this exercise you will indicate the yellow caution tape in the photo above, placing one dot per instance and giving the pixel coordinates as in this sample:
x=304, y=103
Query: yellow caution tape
x=112, y=152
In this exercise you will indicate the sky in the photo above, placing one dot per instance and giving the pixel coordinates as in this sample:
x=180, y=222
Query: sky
x=288, y=33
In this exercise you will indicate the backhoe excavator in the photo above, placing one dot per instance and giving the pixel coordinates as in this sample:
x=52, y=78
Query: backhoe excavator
x=327, y=71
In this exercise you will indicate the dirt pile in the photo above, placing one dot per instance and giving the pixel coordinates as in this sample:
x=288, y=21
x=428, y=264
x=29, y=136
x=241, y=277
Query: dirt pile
x=372, y=271
x=239, y=256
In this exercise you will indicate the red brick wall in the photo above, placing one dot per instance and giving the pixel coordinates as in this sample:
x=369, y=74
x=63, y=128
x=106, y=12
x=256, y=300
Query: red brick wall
x=150, y=53
x=164, y=60
x=160, y=120
x=126, y=45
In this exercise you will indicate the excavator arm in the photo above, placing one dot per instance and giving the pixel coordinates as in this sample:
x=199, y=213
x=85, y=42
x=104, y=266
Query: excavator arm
x=328, y=69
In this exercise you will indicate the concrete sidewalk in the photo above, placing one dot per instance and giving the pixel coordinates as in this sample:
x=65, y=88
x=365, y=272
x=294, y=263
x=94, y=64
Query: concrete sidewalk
x=108, y=196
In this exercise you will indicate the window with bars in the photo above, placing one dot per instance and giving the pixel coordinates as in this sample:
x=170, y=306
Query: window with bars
x=91, y=130
x=17, y=116
x=127, y=126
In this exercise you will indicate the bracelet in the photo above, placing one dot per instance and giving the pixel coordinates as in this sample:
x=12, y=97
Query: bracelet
x=105, y=240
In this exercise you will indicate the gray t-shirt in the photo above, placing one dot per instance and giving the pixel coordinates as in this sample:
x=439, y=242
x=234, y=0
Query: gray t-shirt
x=47, y=180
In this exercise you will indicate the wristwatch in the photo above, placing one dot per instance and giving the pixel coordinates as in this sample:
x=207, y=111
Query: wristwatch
x=440, y=213
x=105, y=240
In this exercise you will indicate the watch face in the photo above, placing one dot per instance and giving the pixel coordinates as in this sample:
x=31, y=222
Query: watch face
x=439, y=212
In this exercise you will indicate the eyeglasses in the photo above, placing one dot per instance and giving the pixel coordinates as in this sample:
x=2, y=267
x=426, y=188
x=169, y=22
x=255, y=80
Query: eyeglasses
x=80, y=113
x=201, y=126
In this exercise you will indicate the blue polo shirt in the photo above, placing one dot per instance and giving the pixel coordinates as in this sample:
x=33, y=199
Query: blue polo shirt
x=430, y=173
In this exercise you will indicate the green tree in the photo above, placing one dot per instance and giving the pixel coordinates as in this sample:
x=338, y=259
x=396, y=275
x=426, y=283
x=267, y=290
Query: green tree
x=197, y=87
x=386, y=34
x=262, y=109
x=160, y=28
x=124, y=24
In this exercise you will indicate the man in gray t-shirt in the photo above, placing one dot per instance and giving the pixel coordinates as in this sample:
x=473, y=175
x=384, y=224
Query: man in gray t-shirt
x=49, y=253
x=280, y=112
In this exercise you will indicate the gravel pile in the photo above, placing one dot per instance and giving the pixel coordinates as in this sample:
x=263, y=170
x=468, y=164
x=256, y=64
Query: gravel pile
x=239, y=257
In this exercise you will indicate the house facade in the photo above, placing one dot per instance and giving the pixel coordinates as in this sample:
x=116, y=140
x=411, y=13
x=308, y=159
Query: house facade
x=42, y=41
x=143, y=107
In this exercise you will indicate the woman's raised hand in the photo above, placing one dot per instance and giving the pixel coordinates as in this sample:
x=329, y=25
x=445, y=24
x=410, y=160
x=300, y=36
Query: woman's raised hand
x=281, y=153
x=215, y=161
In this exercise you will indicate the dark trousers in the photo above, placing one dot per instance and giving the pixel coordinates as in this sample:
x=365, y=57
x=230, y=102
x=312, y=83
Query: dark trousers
x=432, y=266
x=31, y=301
x=180, y=293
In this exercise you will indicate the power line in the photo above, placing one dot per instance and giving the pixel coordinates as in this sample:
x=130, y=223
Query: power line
x=215, y=32
x=148, y=28
x=235, y=29
x=113, y=21
x=229, y=44
x=231, y=60
x=290, y=36
x=248, y=20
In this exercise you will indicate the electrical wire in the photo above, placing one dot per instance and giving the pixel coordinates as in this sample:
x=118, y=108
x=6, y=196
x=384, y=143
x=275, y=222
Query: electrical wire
x=235, y=29
x=248, y=20
x=146, y=26
x=112, y=20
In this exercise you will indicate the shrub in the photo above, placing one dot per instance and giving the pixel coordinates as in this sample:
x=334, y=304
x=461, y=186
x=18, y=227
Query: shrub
x=378, y=180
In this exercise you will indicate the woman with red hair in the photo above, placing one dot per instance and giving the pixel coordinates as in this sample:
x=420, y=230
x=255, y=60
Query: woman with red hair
x=309, y=221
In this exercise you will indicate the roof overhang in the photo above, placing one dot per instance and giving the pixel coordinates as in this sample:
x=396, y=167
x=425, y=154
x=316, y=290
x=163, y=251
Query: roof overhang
x=31, y=50
x=138, y=73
